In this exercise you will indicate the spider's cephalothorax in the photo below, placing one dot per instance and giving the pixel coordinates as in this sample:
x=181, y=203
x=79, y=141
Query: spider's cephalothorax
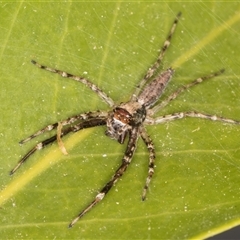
x=123, y=118
x=126, y=120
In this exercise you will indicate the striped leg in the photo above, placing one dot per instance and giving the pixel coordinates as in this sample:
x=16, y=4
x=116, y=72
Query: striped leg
x=120, y=171
x=86, y=124
x=155, y=66
x=184, y=88
x=71, y=120
x=83, y=80
x=148, y=141
x=193, y=114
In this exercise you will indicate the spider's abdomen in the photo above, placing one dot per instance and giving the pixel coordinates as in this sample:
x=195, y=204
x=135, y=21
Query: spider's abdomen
x=152, y=92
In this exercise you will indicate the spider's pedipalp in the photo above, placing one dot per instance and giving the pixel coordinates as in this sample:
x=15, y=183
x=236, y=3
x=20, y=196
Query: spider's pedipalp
x=86, y=124
x=131, y=147
x=83, y=80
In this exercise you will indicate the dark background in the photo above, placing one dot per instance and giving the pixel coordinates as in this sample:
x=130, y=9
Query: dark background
x=233, y=233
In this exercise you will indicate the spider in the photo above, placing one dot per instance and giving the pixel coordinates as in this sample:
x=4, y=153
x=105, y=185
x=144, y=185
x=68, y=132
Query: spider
x=125, y=120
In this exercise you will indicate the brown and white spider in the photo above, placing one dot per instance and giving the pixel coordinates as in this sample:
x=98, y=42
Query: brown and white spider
x=125, y=120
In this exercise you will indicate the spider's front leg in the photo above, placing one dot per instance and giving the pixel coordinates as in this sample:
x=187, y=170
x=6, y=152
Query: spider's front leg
x=68, y=121
x=86, y=124
x=131, y=147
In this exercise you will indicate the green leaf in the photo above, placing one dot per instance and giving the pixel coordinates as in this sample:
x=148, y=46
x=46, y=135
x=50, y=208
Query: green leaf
x=195, y=189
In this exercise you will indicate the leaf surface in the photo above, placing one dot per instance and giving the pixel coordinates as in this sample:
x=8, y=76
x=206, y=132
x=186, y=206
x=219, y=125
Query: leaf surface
x=195, y=189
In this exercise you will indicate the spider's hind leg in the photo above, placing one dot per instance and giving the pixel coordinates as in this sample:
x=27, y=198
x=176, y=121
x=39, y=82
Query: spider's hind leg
x=156, y=65
x=184, y=88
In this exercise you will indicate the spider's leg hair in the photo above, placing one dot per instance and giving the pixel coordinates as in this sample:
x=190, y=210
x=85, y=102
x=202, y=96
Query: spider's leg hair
x=133, y=137
x=83, y=80
x=155, y=66
x=193, y=114
x=86, y=124
x=71, y=120
x=149, y=143
x=184, y=88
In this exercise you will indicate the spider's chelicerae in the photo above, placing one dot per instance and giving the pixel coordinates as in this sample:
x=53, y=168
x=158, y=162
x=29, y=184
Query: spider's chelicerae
x=126, y=120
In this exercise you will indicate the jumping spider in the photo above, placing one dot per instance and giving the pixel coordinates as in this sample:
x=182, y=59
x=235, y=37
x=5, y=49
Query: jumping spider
x=126, y=120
